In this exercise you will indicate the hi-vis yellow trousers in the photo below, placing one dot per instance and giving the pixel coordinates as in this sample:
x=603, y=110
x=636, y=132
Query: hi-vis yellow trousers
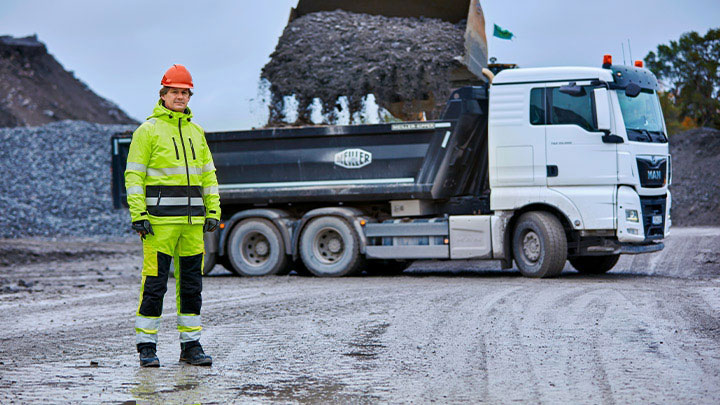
x=184, y=244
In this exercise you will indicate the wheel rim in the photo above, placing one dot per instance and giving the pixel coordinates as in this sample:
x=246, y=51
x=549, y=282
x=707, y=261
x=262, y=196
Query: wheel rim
x=255, y=249
x=531, y=246
x=328, y=246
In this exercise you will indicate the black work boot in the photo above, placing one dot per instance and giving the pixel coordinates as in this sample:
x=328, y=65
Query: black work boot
x=192, y=353
x=148, y=358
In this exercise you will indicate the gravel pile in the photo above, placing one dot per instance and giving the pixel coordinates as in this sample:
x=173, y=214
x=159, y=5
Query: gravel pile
x=330, y=54
x=696, y=185
x=56, y=181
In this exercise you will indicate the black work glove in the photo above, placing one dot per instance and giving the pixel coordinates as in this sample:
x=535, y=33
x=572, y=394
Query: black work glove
x=142, y=227
x=210, y=224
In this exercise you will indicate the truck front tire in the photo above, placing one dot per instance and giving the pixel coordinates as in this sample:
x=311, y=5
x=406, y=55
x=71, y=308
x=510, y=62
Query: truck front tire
x=594, y=264
x=256, y=248
x=329, y=247
x=539, y=245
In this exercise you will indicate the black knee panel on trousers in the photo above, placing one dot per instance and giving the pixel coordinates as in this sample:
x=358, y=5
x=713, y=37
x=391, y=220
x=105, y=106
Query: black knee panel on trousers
x=155, y=287
x=191, y=284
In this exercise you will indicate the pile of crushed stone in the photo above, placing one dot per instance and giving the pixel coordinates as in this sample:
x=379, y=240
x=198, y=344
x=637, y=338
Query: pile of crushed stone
x=695, y=186
x=36, y=89
x=56, y=181
x=329, y=54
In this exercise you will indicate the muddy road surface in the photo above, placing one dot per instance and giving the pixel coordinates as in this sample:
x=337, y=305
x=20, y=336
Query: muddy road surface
x=649, y=331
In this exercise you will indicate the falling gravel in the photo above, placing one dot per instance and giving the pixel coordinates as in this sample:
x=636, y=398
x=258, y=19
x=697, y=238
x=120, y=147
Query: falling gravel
x=330, y=54
x=56, y=181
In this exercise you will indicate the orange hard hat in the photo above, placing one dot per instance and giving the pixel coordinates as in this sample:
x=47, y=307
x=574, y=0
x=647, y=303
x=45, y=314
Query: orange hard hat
x=177, y=76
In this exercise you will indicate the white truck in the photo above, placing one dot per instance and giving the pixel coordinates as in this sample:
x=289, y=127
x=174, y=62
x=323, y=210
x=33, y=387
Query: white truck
x=542, y=166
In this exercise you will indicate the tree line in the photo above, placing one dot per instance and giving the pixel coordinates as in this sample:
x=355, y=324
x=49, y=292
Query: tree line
x=689, y=68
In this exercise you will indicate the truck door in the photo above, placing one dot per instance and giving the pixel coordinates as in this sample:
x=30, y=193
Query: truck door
x=576, y=154
x=580, y=165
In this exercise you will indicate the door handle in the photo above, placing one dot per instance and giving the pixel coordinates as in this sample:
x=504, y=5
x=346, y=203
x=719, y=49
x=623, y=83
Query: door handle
x=552, y=171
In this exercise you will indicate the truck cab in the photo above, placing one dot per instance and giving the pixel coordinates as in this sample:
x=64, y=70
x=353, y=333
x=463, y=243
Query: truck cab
x=590, y=145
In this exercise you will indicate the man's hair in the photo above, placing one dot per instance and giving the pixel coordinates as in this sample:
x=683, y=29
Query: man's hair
x=166, y=89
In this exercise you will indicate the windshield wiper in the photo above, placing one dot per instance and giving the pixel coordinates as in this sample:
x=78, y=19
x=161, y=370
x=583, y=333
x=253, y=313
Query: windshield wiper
x=664, y=137
x=643, y=132
x=647, y=133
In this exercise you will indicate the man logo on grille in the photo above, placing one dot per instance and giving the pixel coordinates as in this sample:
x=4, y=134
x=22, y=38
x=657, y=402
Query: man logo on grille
x=654, y=175
x=353, y=158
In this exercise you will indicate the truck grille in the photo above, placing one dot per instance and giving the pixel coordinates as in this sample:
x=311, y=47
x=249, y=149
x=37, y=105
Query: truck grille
x=653, y=173
x=653, y=214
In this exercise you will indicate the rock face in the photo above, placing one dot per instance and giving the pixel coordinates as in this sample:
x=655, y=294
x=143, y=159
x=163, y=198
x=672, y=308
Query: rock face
x=35, y=89
x=330, y=54
x=696, y=186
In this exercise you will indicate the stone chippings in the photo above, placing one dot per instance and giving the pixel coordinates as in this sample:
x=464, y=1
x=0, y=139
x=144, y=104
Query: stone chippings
x=337, y=53
x=696, y=186
x=56, y=181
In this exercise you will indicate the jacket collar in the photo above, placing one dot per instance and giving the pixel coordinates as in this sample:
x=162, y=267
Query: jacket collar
x=163, y=113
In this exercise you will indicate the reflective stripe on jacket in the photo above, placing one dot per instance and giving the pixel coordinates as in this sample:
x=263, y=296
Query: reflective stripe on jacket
x=170, y=175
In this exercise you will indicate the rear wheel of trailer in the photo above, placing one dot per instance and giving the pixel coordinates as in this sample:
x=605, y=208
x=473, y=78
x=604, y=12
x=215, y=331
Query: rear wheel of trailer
x=256, y=248
x=330, y=247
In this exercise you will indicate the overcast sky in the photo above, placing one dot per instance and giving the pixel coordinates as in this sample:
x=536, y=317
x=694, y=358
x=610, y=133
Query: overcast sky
x=122, y=48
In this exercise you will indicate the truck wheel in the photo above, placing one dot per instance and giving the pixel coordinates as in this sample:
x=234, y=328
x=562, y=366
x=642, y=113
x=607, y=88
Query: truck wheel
x=594, y=264
x=210, y=260
x=329, y=247
x=387, y=267
x=539, y=245
x=256, y=248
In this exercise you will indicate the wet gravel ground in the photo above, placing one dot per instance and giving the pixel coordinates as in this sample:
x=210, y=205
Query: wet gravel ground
x=648, y=332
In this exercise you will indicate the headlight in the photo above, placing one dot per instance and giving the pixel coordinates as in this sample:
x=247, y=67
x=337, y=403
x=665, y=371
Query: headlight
x=632, y=216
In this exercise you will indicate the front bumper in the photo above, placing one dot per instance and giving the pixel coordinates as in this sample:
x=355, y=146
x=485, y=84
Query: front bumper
x=632, y=249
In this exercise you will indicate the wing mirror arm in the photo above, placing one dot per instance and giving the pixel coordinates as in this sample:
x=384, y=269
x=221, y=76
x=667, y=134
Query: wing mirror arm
x=602, y=115
x=610, y=138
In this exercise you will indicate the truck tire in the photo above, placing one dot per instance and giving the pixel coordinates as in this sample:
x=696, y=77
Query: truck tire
x=329, y=247
x=209, y=259
x=209, y=262
x=539, y=245
x=387, y=267
x=256, y=248
x=594, y=264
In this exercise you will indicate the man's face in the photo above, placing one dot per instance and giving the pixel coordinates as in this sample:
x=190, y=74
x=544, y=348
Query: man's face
x=176, y=99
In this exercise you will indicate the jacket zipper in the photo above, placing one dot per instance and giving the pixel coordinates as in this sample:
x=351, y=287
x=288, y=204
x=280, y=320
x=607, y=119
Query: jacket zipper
x=187, y=170
x=157, y=204
x=177, y=154
x=192, y=148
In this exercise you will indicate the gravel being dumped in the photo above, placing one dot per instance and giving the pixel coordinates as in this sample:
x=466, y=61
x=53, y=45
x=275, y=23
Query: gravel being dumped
x=330, y=54
x=56, y=181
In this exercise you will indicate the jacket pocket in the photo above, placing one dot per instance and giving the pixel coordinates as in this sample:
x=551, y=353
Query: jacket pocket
x=177, y=153
x=192, y=148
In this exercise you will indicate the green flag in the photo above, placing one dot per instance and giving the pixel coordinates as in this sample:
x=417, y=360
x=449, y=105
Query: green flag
x=502, y=34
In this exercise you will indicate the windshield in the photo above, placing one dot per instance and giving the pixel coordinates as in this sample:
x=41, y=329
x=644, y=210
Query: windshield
x=642, y=116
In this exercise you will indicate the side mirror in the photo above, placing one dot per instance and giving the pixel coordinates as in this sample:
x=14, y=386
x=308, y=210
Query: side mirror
x=602, y=109
x=573, y=90
x=632, y=90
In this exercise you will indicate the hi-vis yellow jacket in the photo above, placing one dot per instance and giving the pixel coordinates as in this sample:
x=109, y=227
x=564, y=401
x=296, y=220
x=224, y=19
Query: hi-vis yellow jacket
x=170, y=175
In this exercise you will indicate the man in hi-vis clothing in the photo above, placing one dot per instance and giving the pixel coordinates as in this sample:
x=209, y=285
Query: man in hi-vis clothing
x=173, y=196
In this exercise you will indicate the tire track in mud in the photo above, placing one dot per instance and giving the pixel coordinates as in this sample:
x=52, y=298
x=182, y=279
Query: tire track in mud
x=443, y=336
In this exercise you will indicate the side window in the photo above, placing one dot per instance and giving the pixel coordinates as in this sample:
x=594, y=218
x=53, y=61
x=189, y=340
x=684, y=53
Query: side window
x=537, y=107
x=566, y=109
